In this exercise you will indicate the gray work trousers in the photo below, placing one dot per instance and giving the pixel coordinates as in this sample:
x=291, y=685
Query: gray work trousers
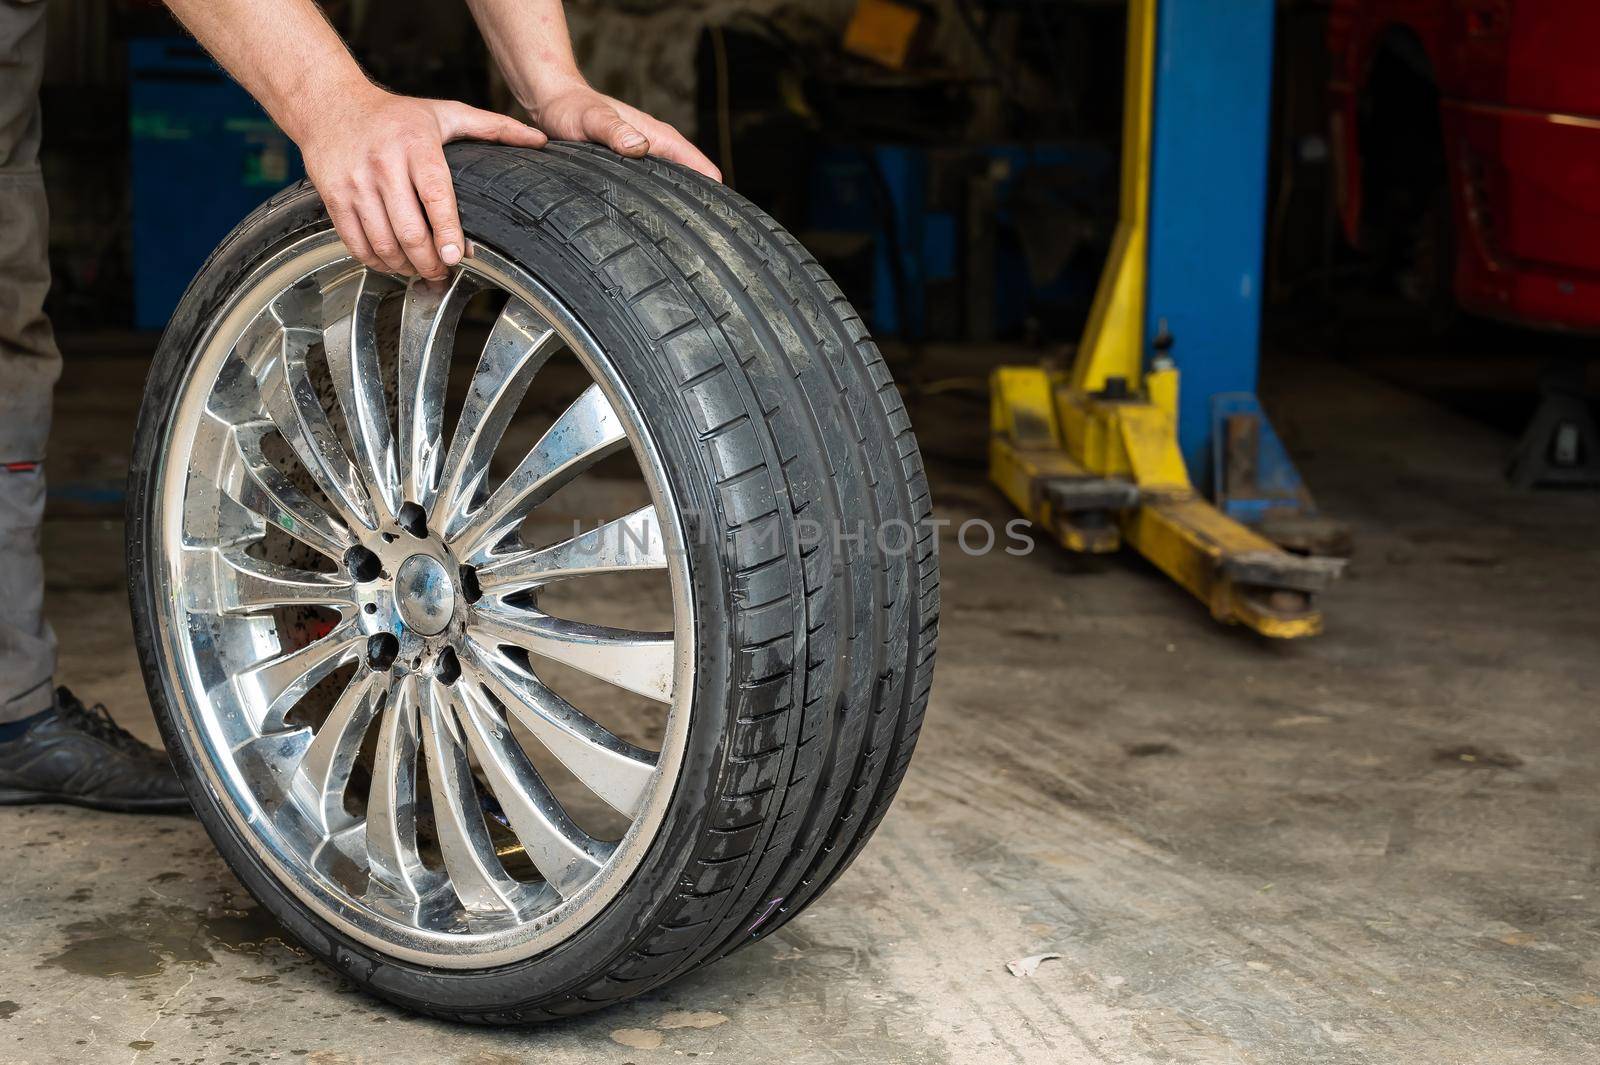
x=29, y=366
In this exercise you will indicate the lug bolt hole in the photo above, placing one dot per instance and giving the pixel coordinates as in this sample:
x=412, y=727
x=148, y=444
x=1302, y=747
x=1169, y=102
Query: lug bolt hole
x=371, y=608
x=362, y=564
x=412, y=519
x=449, y=667
x=389, y=537
x=469, y=584
x=381, y=650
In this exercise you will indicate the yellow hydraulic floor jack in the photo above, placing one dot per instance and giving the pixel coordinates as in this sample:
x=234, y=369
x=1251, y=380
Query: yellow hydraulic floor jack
x=1092, y=454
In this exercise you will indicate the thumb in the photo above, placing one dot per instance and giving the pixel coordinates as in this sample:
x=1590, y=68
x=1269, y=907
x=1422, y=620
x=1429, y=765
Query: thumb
x=458, y=120
x=603, y=125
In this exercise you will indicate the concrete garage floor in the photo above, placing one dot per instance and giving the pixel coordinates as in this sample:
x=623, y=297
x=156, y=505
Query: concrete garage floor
x=1382, y=845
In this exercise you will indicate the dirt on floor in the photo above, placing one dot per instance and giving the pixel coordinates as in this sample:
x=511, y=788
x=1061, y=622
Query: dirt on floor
x=1381, y=845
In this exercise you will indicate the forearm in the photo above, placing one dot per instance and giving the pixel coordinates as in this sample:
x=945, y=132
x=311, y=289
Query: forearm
x=530, y=43
x=284, y=53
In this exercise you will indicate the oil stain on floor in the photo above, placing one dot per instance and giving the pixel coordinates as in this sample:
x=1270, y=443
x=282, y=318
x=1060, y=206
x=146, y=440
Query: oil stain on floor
x=151, y=935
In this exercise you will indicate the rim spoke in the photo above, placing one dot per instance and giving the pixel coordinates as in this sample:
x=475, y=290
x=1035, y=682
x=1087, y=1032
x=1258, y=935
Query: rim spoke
x=350, y=340
x=274, y=756
x=278, y=682
x=615, y=770
x=565, y=855
x=392, y=803
x=641, y=662
x=633, y=542
x=586, y=432
x=220, y=580
x=427, y=336
x=324, y=770
x=289, y=398
x=518, y=346
x=261, y=488
x=476, y=875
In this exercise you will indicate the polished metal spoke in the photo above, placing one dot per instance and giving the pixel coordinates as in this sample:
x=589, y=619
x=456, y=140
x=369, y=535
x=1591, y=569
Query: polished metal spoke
x=254, y=483
x=630, y=543
x=427, y=338
x=277, y=683
x=392, y=801
x=324, y=770
x=227, y=580
x=477, y=876
x=518, y=346
x=279, y=361
x=641, y=662
x=586, y=432
x=565, y=855
x=615, y=770
x=350, y=302
x=421, y=682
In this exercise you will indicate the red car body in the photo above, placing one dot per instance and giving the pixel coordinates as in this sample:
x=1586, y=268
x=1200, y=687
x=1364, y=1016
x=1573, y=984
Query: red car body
x=1518, y=84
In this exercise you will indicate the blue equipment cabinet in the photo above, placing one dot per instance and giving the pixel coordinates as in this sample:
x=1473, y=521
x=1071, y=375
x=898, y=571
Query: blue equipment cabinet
x=204, y=155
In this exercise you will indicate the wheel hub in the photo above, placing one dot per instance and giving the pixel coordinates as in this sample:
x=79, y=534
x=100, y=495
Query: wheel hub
x=425, y=594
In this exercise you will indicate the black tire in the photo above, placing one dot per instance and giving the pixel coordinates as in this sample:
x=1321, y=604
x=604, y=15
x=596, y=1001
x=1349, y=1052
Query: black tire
x=772, y=407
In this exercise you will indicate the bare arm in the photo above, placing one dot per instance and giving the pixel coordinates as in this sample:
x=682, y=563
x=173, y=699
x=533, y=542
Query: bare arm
x=375, y=157
x=530, y=42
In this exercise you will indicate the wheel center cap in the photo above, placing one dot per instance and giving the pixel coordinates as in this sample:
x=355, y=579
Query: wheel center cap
x=425, y=594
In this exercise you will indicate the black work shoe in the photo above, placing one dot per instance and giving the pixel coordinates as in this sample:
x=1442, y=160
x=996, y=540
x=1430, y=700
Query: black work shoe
x=75, y=754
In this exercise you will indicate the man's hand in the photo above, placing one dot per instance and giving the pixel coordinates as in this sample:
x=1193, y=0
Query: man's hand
x=533, y=49
x=379, y=164
x=571, y=110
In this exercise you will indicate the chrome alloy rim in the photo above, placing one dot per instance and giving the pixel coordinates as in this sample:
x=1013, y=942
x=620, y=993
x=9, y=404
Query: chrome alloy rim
x=426, y=644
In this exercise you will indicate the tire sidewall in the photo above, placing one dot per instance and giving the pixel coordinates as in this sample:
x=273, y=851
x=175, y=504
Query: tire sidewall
x=631, y=915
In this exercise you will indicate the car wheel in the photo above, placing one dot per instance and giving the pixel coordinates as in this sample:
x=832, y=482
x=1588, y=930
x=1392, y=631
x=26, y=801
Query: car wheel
x=489, y=763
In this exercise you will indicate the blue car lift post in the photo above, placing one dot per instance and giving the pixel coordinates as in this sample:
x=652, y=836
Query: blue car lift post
x=1102, y=454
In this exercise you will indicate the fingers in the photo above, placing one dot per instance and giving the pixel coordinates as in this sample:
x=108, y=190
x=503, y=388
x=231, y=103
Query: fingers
x=603, y=125
x=410, y=227
x=660, y=140
x=380, y=236
x=668, y=143
x=387, y=186
x=458, y=120
x=436, y=189
x=348, y=226
x=369, y=230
